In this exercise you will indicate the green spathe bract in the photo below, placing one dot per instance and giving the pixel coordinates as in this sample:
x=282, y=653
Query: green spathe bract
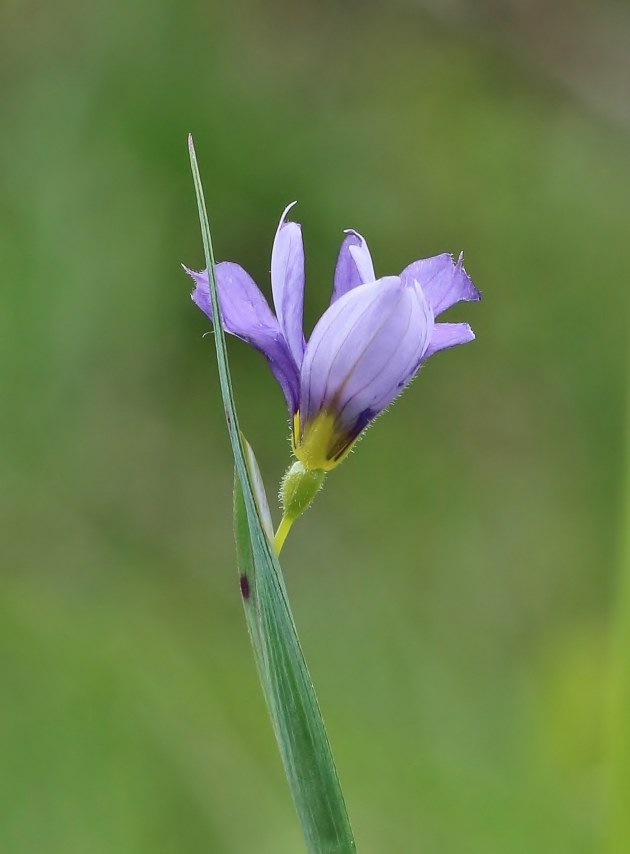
x=286, y=683
x=299, y=487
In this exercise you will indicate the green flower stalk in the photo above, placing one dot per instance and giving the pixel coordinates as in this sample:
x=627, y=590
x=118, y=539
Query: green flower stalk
x=298, y=489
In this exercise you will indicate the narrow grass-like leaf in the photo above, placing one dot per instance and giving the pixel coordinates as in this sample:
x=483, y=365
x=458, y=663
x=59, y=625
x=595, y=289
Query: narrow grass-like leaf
x=286, y=683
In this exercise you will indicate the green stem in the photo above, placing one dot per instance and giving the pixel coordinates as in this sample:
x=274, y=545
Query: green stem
x=281, y=534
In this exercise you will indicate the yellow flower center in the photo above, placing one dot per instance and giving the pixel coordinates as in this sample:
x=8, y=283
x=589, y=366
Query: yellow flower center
x=320, y=446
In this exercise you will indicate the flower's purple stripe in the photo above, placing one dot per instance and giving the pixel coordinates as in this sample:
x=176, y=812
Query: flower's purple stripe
x=246, y=314
x=287, y=283
x=443, y=281
x=363, y=419
x=354, y=265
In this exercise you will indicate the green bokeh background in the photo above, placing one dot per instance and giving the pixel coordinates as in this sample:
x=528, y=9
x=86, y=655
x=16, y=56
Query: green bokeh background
x=453, y=584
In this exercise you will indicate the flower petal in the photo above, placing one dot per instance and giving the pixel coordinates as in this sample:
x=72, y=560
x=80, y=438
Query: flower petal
x=361, y=353
x=448, y=335
x=354, y=265
x=287, y=283
x=246, y=314
x=444, y=282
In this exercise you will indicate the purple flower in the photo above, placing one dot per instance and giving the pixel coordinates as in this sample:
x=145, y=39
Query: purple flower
x=366, y=347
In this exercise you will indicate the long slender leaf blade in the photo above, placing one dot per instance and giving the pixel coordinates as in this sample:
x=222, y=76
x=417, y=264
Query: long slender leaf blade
x=291, y=700
x=293, y=707
x=219, y=337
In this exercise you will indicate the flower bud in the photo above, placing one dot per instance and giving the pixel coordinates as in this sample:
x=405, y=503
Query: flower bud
x=298, y=489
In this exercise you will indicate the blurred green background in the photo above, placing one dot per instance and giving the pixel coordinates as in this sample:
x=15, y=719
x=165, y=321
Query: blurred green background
x=453, y=585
